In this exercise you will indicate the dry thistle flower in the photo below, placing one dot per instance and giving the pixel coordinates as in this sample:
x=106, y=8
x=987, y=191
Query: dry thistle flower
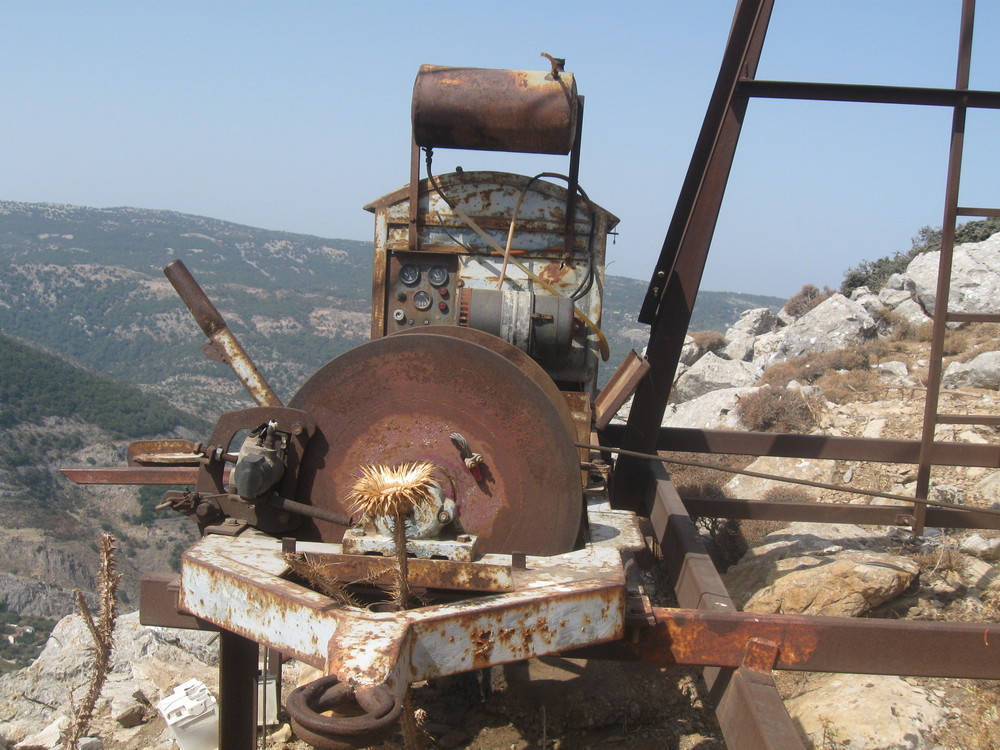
x=393, y=491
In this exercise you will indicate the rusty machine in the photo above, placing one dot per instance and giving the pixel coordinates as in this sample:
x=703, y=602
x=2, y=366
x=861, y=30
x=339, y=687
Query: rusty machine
x=486, y=311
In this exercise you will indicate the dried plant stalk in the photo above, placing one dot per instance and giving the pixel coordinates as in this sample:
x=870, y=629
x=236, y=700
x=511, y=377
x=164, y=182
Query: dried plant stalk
x=317, y=575
x=385, y=491
x=102, y=632
x=395, y=491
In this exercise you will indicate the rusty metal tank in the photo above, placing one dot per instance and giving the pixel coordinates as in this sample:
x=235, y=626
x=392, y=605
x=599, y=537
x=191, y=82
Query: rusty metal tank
x=495, y=110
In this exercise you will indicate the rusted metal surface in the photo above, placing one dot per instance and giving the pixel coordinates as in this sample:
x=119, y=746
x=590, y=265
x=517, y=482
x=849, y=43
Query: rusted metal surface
x=308, y=707
x=495, y=110
x=357, y=541
x=227, y=347
x=452, y=575
x=237, y=692
x=845, y=92
x=158, y=606
x=170, y=452
x=560, y=602
x=399, y=399
x=832, y=447
x=819, y=644
x=620, y=388
x=885, y=515
x=538, y=246
x=935, y=362
x=131, y=474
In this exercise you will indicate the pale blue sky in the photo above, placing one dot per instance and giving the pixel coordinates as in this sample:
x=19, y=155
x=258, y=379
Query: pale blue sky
x=293, y=115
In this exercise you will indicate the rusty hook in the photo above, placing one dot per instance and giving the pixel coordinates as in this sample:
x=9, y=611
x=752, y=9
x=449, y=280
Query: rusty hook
x=306, y=704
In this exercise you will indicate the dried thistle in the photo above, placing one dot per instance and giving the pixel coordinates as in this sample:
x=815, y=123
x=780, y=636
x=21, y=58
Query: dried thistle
x=102, y=632
x=388, y=491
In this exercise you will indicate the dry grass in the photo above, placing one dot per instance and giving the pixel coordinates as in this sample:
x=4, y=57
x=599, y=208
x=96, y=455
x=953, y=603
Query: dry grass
x=709, y=341
x=772, y=409
x=806, y=299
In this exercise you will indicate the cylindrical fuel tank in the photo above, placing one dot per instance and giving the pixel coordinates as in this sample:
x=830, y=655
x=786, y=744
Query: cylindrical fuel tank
x=494, y=110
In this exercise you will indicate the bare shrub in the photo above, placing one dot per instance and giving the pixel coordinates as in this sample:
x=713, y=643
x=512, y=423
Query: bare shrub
x=709, y=341
x=847, y=385
x=788, y=493
x=806, y=299
x=808, y=368
x=771, y=409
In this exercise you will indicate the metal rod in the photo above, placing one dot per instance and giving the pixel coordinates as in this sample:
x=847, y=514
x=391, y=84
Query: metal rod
x=935, y=360
x=833, y=447
x=213, y=325
x=847, y=92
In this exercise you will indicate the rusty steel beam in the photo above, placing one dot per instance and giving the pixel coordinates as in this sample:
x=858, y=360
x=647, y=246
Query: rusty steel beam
x=935, y=362
x=750, y=711
x=132, y=474
x=674, y=286
x=224, y=346
x=850, y=92
x=875, y=515
x=685, y=637
x=831, y=447
x=238, y=657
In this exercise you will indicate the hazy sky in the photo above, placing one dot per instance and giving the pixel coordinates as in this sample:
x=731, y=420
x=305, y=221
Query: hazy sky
x=293, y=115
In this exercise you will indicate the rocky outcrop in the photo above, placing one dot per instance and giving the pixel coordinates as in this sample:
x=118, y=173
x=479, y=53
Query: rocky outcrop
x=981, y=372
x=819, y=569
x=975, y=276
x=834, y=323
x=711, y=372
x=30, y=598
x=146, y=662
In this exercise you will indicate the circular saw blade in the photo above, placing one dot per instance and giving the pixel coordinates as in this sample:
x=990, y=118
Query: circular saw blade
x=398, y=399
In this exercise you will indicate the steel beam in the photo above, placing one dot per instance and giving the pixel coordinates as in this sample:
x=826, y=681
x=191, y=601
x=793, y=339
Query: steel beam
x=674, y=286
x=750, y=711
x=811, y=446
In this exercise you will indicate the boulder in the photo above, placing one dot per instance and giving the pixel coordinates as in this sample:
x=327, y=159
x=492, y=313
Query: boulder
x=710, y=373
x=866, y=711
x=714, y=410
x=752, y=488
x=818, y=569
x=911, y=311
x=975, y=277
x=690, y=352
x=847, y=584
x=834, y=323
x=744, y=331
x=981, y=372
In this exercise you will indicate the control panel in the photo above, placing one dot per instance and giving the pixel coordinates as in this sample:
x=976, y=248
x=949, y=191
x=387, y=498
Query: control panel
x=423, y=290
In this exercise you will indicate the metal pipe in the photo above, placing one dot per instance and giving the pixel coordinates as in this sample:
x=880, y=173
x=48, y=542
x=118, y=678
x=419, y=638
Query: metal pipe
x=226, y=346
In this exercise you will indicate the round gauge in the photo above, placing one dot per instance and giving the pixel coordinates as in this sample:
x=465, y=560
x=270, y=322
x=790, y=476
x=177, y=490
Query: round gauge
x=421, y=300
x=438, y=275
x=409, y=274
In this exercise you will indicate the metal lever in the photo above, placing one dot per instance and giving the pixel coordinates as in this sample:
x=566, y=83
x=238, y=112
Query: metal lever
x=224, y=344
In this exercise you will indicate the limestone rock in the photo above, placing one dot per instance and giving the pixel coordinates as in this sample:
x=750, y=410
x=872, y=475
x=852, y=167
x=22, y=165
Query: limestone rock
x=834, y=323
x=866, y=711
x=975, y=285
x=981, y=547
x=743, y=332
x=832, y=569
x=981, y=372
x=150, y=660
x=710, y=373
x=911, y=311
x=847, y=584
x=751, y=488
x=716, y=409
x=989, y=487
